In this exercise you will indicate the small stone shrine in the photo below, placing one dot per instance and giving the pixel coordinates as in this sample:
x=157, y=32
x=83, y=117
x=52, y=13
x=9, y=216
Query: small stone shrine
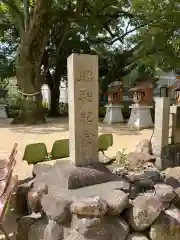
x=175, y=88
x=140, y=117
x=114, y=107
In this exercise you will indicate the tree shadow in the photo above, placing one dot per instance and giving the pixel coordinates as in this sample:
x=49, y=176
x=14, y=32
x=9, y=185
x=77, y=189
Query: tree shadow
x=118, y=129
x=52, y=126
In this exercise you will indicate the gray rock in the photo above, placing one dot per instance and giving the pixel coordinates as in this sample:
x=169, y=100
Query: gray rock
x=73, y=177
x=91, y=228
x=41, y=169
x=119, y=171
x=21, y=196
x=53, y=231
x=93, y=207
x=177, y=197
x=34, y=197
x=119, y=228
x=164, y=192
x=136, y=236
x=144, y=211
x=103, y=228
x=56, y=208
x=117, y=201
x=136, y=160
x=150, y=174
x=24, y=225
x=144, y=146
x=36, y=231
x=172, y=176
x=167, y=225
x=74, y=235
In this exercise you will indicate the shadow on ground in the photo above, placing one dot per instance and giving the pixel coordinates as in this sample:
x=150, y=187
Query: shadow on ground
x=52, y=125
x=118, y=129
x=61, y=125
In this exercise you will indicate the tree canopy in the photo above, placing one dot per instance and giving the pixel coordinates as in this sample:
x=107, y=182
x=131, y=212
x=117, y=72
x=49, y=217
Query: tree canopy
x=130, y=37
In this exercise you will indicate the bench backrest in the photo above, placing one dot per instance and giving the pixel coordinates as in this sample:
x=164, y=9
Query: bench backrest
x=35, y=153
x=105, y=141
x=60, y=149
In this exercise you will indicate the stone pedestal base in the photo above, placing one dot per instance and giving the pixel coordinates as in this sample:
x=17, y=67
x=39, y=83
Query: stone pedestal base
x=3, y=114
x=140, y=117
x=113, y=114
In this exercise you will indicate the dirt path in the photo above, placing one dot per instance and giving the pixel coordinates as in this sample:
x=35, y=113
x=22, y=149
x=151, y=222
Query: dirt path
x=57, y=129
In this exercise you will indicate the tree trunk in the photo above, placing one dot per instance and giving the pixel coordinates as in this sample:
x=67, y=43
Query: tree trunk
x=31, y=111
x=54, y=105
x=54, y=108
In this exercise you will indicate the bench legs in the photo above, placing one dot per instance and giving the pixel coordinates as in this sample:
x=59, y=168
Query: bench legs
x=4, y=232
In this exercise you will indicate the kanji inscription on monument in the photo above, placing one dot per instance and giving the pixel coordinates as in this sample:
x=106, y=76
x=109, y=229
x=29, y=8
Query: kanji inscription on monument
x=83, y=98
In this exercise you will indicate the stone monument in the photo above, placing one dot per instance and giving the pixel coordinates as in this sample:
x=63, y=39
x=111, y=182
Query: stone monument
x=114, y=107
x=140, y=117
x=83, y=108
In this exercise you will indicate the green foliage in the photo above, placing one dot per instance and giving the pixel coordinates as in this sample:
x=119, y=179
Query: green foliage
x=160, y=34
x=121, y=158
x=102, y=111
x=132, y=38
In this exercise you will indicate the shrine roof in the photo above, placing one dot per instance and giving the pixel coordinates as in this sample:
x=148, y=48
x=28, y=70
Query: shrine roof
x=141, y=86
x=114, y=88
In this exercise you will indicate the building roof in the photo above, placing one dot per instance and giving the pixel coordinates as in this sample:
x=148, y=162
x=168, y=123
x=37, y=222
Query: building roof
x=140, y=86
x=114, y=89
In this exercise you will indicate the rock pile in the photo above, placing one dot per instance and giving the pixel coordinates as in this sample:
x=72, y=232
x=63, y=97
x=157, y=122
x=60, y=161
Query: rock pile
x=142, y=203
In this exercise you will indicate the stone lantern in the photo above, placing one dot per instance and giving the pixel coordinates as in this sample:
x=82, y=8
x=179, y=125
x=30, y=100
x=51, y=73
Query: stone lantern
x=140, y=117
x=175, y=88
x=114, y=107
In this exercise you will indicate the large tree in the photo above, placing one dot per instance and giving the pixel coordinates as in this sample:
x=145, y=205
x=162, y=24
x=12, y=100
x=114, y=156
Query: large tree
x=48, y=31
x=161, y=32
x=32, y=21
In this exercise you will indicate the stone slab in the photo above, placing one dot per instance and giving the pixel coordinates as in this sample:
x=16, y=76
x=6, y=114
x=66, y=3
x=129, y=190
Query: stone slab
x=161, y=129
x=70, y=176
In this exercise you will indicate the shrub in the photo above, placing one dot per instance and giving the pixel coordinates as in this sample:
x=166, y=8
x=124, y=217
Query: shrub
x=102, y=111
x=13, y=104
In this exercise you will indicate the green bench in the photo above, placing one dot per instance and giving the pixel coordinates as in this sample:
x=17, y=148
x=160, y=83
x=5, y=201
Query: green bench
x=37, y=152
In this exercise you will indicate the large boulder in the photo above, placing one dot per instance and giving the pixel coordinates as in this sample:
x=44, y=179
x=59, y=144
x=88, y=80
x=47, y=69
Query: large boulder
x=167, y=225
x=172, y=176
x=34, y=197
x=136, y=160
x=24, y=225
x=117, y=201
x=144, y=211
x=22, y=190
x=56, y=208
x=53, y=231
x=36, y=231
x=103, y=228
